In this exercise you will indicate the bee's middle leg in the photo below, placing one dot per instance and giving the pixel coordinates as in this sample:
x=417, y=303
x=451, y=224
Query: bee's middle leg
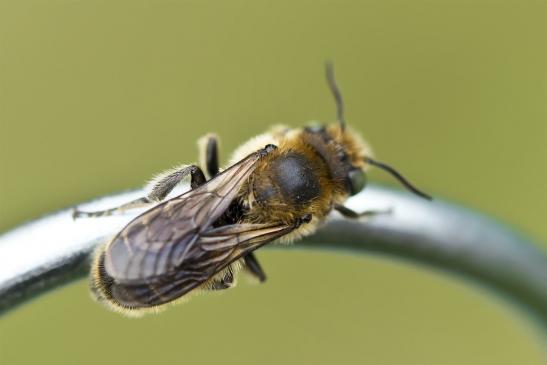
x=253, y=267
x=160, y=189
x=225, y=282
x=208, y=154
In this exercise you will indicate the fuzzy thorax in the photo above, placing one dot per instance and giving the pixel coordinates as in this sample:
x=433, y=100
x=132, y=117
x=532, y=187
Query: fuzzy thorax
x=307, y=174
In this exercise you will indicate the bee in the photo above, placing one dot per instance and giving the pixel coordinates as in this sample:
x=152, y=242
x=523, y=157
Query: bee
x=278, y=186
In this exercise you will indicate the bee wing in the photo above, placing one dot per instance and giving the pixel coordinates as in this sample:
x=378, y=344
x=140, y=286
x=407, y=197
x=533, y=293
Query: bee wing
x=159, y=240
x=213, y=251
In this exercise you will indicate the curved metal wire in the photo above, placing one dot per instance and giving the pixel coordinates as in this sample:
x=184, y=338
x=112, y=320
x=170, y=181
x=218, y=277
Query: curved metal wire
x=38, y=256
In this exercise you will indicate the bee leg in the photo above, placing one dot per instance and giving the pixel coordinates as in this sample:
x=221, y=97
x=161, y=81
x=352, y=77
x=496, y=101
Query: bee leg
x=137, y=203
x=224, y=283
x=164, y=185
x=253, y=267
x=350, y=213
x=208, y=146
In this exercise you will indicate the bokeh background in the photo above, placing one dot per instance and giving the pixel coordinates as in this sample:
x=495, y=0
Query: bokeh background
x=96, y=96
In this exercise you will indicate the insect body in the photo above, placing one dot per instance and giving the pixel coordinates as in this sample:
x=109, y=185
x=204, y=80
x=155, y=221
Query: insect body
x=280, y=185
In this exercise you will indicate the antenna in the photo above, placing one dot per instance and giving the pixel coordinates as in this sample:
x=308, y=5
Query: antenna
x=329, y=68
x=399, y=177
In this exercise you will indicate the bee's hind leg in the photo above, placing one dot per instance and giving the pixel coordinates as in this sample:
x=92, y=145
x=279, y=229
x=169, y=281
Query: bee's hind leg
x=350, y=213
x=137, y=203
x=161, y=187
x=253, y=267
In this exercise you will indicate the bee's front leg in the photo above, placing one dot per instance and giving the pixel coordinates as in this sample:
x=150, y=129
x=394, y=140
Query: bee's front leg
x=350, y=213
x=162, y=185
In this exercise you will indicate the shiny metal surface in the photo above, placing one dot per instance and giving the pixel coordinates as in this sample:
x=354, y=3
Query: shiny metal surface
x=53, y=250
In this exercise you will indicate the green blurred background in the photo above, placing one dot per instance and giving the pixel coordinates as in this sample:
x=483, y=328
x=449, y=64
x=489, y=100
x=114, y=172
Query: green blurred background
x=96, y=96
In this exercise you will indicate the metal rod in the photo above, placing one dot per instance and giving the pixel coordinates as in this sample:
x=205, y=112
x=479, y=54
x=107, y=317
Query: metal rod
x=41, y=255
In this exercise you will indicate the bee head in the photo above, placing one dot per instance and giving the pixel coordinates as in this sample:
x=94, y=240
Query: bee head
x=343, y=151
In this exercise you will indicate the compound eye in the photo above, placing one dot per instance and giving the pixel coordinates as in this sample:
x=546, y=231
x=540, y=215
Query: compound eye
x=357, y=180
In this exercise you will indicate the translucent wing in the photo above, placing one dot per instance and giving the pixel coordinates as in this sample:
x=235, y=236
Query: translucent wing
x=212, y=252
x=160, y=241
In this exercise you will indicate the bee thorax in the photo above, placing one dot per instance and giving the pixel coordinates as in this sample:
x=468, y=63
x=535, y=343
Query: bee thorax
x=288, y=180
